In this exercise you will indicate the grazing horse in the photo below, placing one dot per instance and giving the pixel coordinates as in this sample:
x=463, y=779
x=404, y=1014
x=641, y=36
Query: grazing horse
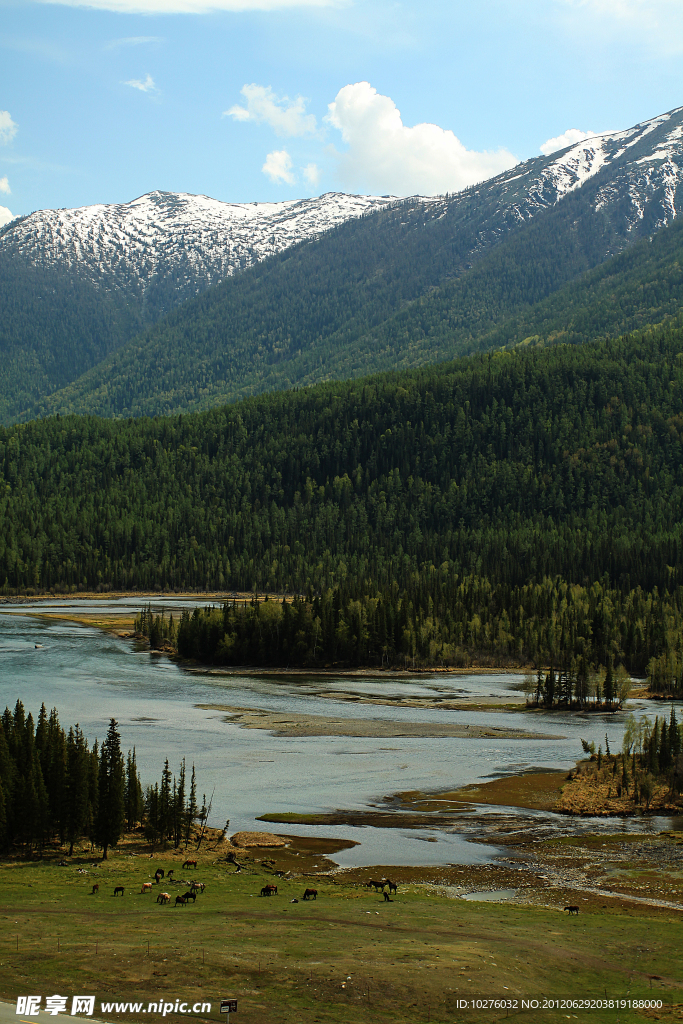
x=197, y=886
x=95, y=888
x=190, y=896
x=373, y=884
x=311, y=894
x=390, y=885
x=163, y=897
x=269, y=890
x=146, y=887
x=118, y=889
x=190, y=864
x=158, y=874
x=180, y=900
x=572, y=910
x=169, y=874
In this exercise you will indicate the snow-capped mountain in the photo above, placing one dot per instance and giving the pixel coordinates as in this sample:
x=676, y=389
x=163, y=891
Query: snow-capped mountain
x=190, y=242
x=646, y=165
x=634, y=178
x=76, y=286
x=197, y=240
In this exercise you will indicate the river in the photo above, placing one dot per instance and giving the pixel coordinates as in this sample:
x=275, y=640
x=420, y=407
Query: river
x=91, y=676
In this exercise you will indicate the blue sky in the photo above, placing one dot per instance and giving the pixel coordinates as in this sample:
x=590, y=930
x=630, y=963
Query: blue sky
x=269, y=99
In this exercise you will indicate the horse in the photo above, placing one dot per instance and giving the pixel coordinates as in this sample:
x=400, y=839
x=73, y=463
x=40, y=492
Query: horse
x=158, y=875
x=169, y=874
x=190, y=896
x=197, y=886
x=118, y=889
x=163, y=897
x=265, y=891
x=95, y=888
x=180, y=900
x=391, y=885
x=272, y=889
x=146, y=887
x=190, y=864
x=572, y=910
x=311, y=893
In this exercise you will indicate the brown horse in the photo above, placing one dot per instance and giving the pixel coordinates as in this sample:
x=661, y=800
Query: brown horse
x=180, y=900
x=190, y=864
x=311, y=894
x=390, y=885
x=572, y=910
x=95, y=888
x=118, y=890
x=163, y=897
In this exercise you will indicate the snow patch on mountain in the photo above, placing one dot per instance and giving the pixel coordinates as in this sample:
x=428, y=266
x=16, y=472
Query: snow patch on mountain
x=167, y=232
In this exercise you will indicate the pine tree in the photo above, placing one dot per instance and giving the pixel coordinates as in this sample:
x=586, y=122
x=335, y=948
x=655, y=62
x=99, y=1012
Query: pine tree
x=111, y=811
x=135, y=806
x=191, y=808
x=77, y=787
x=609, y=683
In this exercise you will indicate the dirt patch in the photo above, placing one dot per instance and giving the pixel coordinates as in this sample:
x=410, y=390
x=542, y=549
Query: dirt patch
x=249, y=839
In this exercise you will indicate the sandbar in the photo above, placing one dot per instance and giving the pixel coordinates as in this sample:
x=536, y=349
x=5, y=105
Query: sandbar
x=291, y=724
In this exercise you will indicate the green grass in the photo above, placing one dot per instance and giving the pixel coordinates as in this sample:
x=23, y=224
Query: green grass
x=411, y=959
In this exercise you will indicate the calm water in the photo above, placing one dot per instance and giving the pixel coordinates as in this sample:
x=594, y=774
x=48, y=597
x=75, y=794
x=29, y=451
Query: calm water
x=91, y=677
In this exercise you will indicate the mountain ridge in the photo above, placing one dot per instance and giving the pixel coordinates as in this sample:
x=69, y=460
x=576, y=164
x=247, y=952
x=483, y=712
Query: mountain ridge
x=356, y=274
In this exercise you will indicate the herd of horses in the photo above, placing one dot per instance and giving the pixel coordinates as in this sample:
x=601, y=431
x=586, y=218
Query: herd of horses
x=386, y=887
x=163, y=897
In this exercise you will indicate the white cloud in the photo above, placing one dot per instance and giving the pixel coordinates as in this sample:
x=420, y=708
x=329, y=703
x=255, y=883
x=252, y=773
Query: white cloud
x=5, y=216
x=188, y=6
x=4, y=186
x=286, y=117
x=568, y=138
x=8, y=129
x=146, y=86
x=312, y=174
x=388, y=157
x=278, y=166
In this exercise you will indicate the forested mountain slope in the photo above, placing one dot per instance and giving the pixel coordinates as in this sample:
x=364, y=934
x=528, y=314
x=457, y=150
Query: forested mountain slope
x=507, y=482
x=327, y=310
x=101, y=273
x=313, y=312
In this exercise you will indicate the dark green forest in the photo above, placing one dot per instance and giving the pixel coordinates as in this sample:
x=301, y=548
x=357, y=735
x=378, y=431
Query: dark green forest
x=54, y=786
x=521, y=505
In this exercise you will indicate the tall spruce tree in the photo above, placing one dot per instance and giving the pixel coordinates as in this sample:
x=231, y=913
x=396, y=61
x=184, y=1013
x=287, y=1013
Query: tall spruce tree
x=77, y=786
x=111, y=778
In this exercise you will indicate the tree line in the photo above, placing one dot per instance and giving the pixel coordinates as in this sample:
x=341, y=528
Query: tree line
x=54, y=786
x=589, y=638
